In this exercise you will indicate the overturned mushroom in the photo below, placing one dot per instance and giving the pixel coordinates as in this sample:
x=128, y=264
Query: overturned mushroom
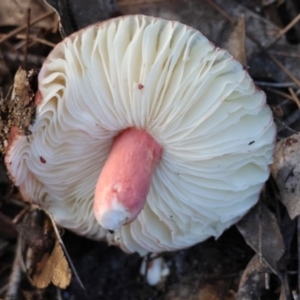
x=146, y=134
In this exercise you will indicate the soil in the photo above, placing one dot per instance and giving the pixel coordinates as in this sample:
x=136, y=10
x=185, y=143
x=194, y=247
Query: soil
x=108, y=273
x=212, y=269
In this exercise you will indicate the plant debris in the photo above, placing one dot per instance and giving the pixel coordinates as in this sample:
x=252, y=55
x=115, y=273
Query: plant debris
x=264, y=263
x=52, y=268
x=17, y=113
x=286, y=172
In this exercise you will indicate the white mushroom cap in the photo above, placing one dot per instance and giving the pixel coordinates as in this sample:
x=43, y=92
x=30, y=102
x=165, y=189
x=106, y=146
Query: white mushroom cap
x=194, y=99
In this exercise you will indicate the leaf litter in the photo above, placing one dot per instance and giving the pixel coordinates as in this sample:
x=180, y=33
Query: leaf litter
x=259, y=261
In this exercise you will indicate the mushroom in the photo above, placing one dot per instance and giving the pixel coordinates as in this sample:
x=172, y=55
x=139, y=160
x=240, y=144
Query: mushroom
x=146, y=135
x=154, y=269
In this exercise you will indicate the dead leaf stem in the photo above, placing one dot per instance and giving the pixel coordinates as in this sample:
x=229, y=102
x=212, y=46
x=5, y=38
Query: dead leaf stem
x=27, y=38
x=21, y=28
x=254, y=40
x=298, y=249
x=284, y=30
x=294, y=97
x=139, y=2
x=61, y=243
x=16, y=274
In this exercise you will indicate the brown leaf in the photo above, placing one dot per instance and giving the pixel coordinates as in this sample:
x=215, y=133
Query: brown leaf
x=197, y=290
x=53, y=268
x=252, y=282
x=36, y=238
x=236, y=41
x=72, y=18
x=14, y=13
x=286, y=172
x=261, y=232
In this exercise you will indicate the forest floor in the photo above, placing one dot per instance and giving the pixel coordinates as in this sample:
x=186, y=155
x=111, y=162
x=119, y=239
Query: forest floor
x=258, y=258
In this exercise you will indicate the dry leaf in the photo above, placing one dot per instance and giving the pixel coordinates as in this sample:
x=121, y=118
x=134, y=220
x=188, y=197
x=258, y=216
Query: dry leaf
x=36, y=239
x=197, y=290
x=72, y=17
x=236, y=41
x=14, y=13
x=45, y=263
x=262, y=233
x=286, y=172
x=252, y=282
x=53, y=268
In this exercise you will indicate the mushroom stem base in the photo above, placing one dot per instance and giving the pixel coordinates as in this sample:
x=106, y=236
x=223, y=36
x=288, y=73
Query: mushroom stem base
x=124, y=182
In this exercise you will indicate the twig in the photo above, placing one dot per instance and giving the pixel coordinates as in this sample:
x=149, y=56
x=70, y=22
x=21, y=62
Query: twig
x=281, y=66
x=62, y=245
x=285, y=125
x=260, y=233
x=16, y=274
x=280, y=53
x=221, y=11
x=285, y=95
x=58, y=294
x=36, y=39
x=275, y=60
x=294, y=97
x=284, y=30
x=32, y=38
x=27, y=39
x=267, y=281
x=20, y=215
x=295, y=295
x=21, y=28
x=275, y=84
x=3, y=289
x=298, y=248
x=285, y=288
x=31, y=58
x=10, y=47
x=137, y=2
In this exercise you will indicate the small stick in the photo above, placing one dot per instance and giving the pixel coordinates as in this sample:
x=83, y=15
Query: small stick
x=267, y=281
x=260, y=233
x=16, y=274
x=294, y=97
x=284, y=30
x=285, y=95
x=295, y=295
x=31, y=58
x=285, y=126
x=275, y=60
x=275, y=84
x=136, y=2
x=27, y=39
x=298, y=249
x=281, y=53
x=34, y=39
x=21, y=28
x=62, y=245
x=281, y=66
x=221, y=11
x=21, y=214
x=58, y=294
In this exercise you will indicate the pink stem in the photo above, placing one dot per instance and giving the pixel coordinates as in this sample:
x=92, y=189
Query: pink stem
x=124, y=182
